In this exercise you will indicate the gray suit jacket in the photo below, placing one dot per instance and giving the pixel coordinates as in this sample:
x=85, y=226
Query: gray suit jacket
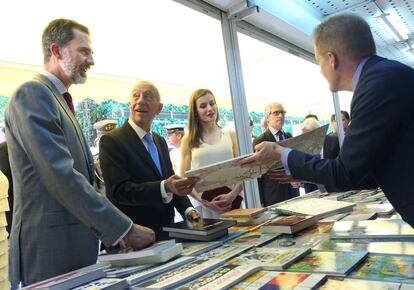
x=58, y=214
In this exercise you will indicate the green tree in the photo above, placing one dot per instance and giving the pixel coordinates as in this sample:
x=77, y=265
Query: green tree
x=88, y=112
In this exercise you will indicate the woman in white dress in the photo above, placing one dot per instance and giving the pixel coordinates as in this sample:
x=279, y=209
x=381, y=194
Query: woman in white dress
x=204, y=144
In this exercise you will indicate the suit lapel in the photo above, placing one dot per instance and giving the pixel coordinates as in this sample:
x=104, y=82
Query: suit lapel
x=136, y=144
x=269, y=136
x=59, y=98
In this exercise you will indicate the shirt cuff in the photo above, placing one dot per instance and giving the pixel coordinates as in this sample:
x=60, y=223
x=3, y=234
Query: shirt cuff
x=284, y=159
x=166, y=196
x=123, y=235
x=187, y=211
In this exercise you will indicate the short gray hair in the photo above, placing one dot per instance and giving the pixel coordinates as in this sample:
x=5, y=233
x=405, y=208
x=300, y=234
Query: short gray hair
x=346, y=34
x=269, y=107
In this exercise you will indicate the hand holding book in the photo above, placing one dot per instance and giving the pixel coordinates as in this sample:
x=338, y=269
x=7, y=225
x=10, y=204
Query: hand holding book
x=138, y=237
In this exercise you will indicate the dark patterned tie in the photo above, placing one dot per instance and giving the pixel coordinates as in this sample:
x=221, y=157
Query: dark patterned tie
x=280, y=135
x=152, y=149
x=69, y=101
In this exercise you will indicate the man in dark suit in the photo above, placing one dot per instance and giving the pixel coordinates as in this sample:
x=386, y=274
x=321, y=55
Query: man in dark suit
x=5, y=168
x=137, y=169
x=58, y=215
x=271, y=191
x=378, y=146
x=331, y=142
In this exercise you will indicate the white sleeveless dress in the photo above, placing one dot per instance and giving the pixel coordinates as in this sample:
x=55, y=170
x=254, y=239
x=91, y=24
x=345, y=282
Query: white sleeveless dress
x=207, y=154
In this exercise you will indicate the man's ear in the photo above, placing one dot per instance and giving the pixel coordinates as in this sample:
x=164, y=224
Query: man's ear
x=333, y=60
x=161, y=105
x=56, y=50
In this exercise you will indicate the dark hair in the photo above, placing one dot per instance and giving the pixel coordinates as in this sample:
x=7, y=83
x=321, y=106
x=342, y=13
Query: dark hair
x=346, y=34
x=59, y=31
x=344, y=113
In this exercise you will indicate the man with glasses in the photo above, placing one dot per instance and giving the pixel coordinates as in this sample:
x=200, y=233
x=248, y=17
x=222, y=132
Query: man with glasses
x=271, y=191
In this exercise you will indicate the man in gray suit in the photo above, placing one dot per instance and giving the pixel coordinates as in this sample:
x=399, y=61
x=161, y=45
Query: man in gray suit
x=58, y=214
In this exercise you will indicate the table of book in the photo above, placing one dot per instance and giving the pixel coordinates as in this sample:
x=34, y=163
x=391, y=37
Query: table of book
x=332, y=254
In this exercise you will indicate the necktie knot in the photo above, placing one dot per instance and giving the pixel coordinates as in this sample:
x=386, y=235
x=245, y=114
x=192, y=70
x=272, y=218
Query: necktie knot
x=69, y=101
x=148, y=138
x=280, y=135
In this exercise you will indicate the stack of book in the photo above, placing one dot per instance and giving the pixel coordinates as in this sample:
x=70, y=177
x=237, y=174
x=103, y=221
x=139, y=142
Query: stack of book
x=289, y=224
x=203, y=230
x=157, y=253
x=247, y=216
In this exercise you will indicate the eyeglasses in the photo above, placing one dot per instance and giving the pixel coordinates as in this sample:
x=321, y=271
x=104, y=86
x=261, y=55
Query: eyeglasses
x=277, y=113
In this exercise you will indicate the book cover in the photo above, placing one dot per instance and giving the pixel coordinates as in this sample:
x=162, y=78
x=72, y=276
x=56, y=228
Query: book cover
x=226, y=252
x=221, y=278
x=121, y=272
x=289, y=224
x=181, y=275
x=196, y=248
x=385, y=229
x=319, y=207
x=203, y=238
x=203, y=227
x=158, y=269
x=356, y=284
x=69, y=280
x=360, y=215
x=335, y=263
x=255, y=239
x=295, y=241
x=105, y=284
x=157, y=253
x=270, y=258
x=267, y=280
x=386, y=268
x=243, y=213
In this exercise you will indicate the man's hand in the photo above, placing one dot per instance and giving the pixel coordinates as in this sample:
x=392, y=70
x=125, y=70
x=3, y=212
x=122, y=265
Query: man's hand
x=180, y=185
x=281, y=176
x=193, y=216
x=266, y=152
x=138, y=237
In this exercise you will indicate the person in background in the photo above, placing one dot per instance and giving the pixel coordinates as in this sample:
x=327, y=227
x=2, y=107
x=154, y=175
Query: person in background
x=251, y=127
x=312, y=116
x=207, y=143
x=137, y=169
x=175, y=133
x=377, y=150
x=272, y=192
x=263, y=124
x=102, y=127
x=58, y=215
x=4, y=185
x=331, y=143
x=309, y=124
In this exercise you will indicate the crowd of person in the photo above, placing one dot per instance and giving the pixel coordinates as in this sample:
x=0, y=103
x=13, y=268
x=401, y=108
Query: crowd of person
x=59, y=215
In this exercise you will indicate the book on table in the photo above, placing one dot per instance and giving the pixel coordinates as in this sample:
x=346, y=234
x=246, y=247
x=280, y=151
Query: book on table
x=382, y=229
x=272, y=259
x=319, y=207
x=181, y=275
x=280, y=280
x=105, y=284
x=157, y=253
x=203, y=227
x=382, y=209
x=201, y=238
x=221, y=278
x=357, y=284
x=247, y=216
x=289, y=224
x=333, y=263
x=226, y=252
x=196, y=248
x=69, y=280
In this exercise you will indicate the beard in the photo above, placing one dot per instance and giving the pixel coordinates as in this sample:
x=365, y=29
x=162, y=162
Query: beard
x=71, y=70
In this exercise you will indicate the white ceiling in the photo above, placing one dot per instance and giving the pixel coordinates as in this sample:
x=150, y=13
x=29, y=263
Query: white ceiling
x=294, y=20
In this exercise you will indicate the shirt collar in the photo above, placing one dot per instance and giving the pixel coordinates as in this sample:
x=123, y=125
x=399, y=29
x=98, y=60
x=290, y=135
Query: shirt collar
x=140, y=132
x=357, y=73
x=274, y=131
x=55, y=81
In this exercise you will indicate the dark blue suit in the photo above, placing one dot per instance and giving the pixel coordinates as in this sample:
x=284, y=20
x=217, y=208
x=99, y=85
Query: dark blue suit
x=378, y=148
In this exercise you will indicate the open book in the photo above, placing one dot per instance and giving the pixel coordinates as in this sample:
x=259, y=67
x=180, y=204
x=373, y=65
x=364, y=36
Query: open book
x=230, y=172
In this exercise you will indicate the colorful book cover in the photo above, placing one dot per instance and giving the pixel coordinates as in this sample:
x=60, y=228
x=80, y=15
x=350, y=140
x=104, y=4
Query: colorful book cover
x=355, y=284
x=319, y=228
x=266, y=280
x=293, y=241
x=195, y=248
x=288, y=220
x=387, y=268
x=336, y=263
x=270, y=258
x=226, y=252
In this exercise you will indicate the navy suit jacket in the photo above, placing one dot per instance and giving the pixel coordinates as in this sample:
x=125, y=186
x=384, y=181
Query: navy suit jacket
x=378, y=148
x=132, y=180
x=270, y=190
x=331, y=146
